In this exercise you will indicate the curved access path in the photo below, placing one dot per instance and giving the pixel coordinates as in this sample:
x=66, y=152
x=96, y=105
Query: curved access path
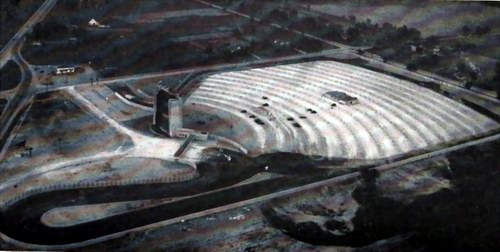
x=18, y=101
x=20, y=222
x=6, y=52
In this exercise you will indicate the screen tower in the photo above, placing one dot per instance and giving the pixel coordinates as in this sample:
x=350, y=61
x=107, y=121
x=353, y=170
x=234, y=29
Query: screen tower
x=167, y=111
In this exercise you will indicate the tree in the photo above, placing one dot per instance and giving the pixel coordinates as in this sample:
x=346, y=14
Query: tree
x=486, y=29
x=278, y=15
x=411, y=67
x=353, y=34
x=431, y=41
x=352, y=19
x=369, y=177
x=335, y=32
x=208, y=50
x=37, y=31
x=309, y=24
x=237, y=33
x=462, y=66
x=468, y=85
x=473, y=75
x=466, y=30
x=482, y=30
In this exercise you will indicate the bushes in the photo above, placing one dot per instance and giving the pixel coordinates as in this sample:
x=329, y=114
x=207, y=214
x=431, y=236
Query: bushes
x=412, y=67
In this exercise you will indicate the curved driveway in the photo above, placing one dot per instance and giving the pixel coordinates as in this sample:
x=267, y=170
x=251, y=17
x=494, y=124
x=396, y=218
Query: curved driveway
x=22, y=220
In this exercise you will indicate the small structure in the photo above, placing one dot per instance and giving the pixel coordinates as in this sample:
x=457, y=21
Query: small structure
x=65, y=70
x=416, y=48
x=341, y=97
x=184, y=146
x=94, y=23
x=184, y=133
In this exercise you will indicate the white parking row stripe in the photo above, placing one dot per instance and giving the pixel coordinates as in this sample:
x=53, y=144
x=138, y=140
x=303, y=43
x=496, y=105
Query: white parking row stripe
x=315, y=141
x=341, y=85
x=228, y=86
x=220, y=95
x=395, y=117
x=258, y=133
x=436, y=101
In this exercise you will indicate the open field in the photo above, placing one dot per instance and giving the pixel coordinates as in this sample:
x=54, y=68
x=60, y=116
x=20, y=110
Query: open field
x=67, y=216
x=108, y=170
x=486, y=46
x=120, y=46
x=282, y=109
x=190, y=34
x=57, y=129
x=13, y=15
x=134, y=122
x=160, y=16
x=72, y=215
x=431, y=19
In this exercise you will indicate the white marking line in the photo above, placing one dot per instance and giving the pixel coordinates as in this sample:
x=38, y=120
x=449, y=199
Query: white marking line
x=144, y=145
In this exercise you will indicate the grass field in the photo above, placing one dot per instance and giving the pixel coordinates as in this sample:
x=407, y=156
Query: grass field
x=431, y=19
x=155, y=37
x=13, y=15
x=58, y=130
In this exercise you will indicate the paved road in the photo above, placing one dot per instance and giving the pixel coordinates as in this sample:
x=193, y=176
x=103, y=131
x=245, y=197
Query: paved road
x=19, y=100
x=36, y=90
x=24, y=216
x=392, y=66
x=12, y=50
x=38, y=16
x=217, y=67
x=212, y=188
x=21, y=221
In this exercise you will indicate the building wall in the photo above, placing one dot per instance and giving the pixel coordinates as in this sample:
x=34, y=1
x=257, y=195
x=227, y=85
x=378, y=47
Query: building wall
x=168, y=112
x=175, y=115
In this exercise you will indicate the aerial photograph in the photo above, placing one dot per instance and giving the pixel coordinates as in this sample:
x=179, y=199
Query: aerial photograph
x=249, y=125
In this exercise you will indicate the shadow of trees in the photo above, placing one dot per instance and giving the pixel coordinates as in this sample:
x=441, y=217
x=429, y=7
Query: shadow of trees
x=464, y=218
